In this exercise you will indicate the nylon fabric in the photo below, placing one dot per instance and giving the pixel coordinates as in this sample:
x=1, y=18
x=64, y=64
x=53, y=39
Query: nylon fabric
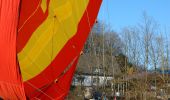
x=11, y=85
x=37, y=54
x=59, y=89
x=50, y=36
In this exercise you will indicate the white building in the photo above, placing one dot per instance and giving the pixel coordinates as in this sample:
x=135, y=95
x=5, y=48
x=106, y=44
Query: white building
x=89, y=80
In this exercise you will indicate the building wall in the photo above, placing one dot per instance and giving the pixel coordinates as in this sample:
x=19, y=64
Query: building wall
x=88, y=80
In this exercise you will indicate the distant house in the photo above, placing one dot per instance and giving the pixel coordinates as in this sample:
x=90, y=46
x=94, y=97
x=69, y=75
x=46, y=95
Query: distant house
x=97, y=77
x=90, y=71
x=90, y=80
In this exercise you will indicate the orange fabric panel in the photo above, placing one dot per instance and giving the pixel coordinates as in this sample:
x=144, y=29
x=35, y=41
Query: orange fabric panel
x=11, y=86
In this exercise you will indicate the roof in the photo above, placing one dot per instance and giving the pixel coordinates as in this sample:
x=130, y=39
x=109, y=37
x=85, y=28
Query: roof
x=89, y=64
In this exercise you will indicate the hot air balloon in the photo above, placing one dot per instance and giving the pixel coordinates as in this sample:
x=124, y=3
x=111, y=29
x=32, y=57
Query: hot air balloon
x=51, y=35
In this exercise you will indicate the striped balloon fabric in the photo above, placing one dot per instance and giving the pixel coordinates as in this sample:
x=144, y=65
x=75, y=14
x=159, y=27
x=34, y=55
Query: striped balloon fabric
x=51, y=35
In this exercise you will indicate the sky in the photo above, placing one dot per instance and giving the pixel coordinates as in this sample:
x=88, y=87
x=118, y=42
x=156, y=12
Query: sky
x=121, y=13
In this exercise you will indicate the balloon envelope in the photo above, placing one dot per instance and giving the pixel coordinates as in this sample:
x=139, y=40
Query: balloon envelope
x=51, y=34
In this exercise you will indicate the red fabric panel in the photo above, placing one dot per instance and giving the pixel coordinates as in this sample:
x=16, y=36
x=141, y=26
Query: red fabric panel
x=60, y=89
x=31, y=16
x=70, y=51
x=11, y=86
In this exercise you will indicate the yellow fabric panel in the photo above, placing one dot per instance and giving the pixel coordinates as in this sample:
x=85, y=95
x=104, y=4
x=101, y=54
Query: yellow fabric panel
x=51, y=36
x=44, y=5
